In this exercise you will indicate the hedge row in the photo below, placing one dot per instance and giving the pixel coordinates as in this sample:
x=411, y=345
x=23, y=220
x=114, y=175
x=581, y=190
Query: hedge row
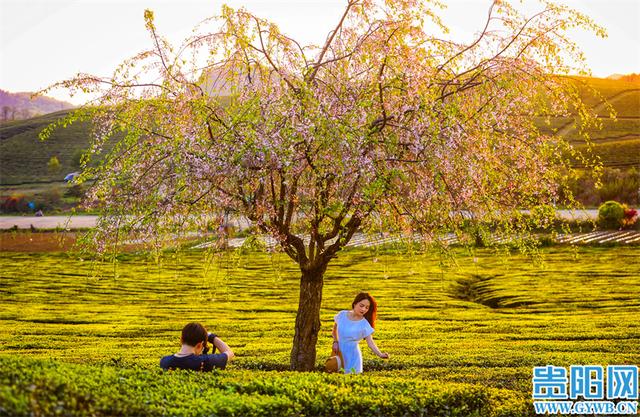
x=30, y=387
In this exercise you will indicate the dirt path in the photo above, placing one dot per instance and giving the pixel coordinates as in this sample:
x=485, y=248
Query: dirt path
x=37, y=242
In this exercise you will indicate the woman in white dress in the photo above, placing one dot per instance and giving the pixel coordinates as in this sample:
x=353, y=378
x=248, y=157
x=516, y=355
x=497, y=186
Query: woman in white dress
x=350, y=327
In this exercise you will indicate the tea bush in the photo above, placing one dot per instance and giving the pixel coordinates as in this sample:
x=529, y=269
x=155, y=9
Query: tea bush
x=79, y=337
x=610, y=215
x=48, y=388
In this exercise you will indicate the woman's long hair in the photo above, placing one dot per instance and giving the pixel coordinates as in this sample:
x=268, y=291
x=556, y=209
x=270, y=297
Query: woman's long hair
x=373, y=307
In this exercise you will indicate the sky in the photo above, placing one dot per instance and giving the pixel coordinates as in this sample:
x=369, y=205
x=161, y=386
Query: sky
x=44, y=41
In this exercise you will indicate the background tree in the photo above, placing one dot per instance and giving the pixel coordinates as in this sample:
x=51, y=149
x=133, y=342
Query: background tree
x=384, y=125
x=53, y=166
x=6, y=111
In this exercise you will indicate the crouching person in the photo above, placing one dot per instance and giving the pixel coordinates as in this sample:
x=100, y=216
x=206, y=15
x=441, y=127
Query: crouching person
x=194, y=351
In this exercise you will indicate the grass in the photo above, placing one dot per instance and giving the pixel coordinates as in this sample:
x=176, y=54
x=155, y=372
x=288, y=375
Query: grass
x=463, y=337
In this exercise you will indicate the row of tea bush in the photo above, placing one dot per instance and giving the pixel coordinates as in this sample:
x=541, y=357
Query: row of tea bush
x=32, y=387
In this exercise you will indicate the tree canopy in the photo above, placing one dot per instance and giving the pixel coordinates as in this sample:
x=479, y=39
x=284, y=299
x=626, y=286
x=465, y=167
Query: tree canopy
x=385, y=124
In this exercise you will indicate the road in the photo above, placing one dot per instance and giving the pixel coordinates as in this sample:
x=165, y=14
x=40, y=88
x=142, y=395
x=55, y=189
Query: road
x=48, y=222
x=85, y=222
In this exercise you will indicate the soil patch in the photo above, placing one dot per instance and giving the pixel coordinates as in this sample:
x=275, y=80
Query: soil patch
x=37, y=242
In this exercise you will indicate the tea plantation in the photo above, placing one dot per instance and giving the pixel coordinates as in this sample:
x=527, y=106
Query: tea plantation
x=81, y=338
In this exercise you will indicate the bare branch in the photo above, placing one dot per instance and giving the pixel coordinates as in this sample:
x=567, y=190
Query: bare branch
x=327, y=44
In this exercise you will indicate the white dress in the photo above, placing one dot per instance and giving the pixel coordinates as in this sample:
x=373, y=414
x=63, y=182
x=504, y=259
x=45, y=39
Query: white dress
x=350, y=333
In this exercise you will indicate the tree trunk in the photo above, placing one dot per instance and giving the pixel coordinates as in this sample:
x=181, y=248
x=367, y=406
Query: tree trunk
x=303, y=353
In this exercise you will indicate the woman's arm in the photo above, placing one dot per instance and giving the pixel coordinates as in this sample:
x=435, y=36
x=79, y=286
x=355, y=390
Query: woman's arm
x=334, y=334
x=374, y=348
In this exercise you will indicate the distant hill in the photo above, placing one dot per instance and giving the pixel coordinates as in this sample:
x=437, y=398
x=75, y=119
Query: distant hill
x=623, y=77
x=20, y=106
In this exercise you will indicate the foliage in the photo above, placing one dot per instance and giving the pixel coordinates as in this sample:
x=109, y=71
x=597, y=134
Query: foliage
x=75, y=190
x=611, y=215
x=50, y=388
x=134, y=310
x=15, y=203
x=384, y=116
x=630, y=216
x=542, y=217
x=615, y=184
x=631, y=77
x=620, y=150
x=76, y=159
x=51, y=198
x=620, y=185
x=86, y=337
x=384, y=126
x=21, y=153
x=53, y=166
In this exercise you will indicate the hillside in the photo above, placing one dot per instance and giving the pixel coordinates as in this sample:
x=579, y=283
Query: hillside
x=20, y=106
x=617, y=143
x=23, y=157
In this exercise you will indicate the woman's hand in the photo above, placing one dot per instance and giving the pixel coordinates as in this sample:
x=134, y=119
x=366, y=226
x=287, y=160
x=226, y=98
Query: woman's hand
x=335, y=348
x=374, y=348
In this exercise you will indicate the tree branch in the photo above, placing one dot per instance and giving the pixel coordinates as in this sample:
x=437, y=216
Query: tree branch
x=329, y=40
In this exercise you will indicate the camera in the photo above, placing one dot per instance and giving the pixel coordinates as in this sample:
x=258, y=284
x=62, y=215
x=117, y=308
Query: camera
x=210, y=338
